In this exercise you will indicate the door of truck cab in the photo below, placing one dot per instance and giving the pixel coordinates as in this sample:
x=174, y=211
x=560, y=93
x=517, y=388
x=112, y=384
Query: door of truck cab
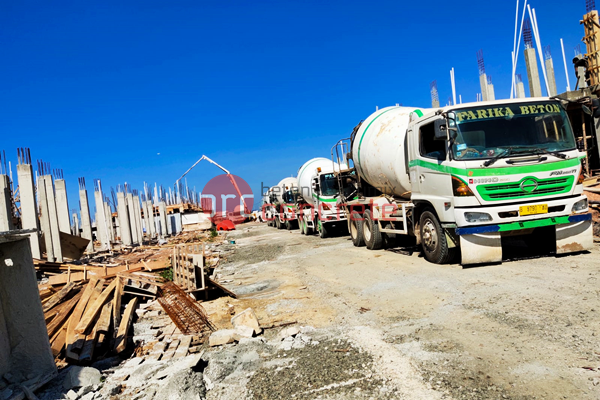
x=428, y=165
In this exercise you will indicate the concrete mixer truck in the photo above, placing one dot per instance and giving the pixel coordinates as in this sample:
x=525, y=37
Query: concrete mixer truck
x=317, y=203
x=280, y=212
x=464, y=177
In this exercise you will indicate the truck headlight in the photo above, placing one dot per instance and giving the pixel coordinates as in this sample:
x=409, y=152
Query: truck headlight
x=581, y=205
x=477, y=217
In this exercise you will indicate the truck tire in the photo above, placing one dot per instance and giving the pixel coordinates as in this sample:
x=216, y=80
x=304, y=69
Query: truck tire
x=289, y=225
x=322, y=229
x=433, y=238
x=371, y=233
x=278, y=223
x=302, y=225
x=356, y=229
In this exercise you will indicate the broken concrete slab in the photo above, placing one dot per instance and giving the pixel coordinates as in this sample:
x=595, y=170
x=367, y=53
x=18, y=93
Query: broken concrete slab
x=81, y=377
x=243, y=332
x=289, y=331
x=221, y=337
x=247, y=318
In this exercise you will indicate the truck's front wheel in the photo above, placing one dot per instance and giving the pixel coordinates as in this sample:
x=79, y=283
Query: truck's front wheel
x=278, y=223
x=322, y=229
x=373, y=238
x=433, y=239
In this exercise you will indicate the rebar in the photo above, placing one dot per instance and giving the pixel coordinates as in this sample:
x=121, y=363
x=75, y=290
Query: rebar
x=188, y=315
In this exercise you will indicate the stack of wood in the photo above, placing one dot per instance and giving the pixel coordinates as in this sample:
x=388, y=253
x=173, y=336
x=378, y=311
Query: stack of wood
x=89, y=318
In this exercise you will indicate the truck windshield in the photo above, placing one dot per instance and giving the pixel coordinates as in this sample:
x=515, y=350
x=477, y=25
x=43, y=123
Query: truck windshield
x=524, y=128
x=290, y=195
x=328, y=185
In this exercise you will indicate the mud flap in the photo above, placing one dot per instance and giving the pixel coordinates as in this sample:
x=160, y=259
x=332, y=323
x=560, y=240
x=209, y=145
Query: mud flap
x=481, y=248
x=577, y=236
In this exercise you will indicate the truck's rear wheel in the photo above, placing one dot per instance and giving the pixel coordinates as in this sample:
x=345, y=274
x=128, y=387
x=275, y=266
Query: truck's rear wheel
x=371, y=232
x=356, y=229
x=322, y=229
x=433, y=238
x=302, y=224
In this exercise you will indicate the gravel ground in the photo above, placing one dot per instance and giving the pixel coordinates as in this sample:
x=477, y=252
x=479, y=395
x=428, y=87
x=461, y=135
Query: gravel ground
x=523, y=329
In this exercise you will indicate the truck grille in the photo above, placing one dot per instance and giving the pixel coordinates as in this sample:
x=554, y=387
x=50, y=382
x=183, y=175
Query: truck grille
x=513, y=190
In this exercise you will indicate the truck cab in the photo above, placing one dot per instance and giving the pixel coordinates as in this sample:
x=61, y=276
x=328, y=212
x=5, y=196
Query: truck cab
x=482, y=171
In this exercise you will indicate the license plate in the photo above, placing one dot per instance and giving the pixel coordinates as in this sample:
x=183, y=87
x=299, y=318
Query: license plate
x=536, y=209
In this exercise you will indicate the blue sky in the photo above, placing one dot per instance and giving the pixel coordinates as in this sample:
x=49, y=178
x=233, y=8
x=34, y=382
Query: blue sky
x=137, y=91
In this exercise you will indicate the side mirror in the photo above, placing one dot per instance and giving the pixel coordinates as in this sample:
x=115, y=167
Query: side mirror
x=440, y=130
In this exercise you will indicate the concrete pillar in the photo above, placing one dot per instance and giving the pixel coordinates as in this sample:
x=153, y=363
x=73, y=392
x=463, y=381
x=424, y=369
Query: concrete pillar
x=109, y=222
x=162, y=207
x=75, y=231
x=24, y=346
x=150, y=213
x=533, y=75
x=520, y=90
x=135, y=236
x=29, y=210
x=484, y=86
x=138, y=217
x=45, y=219
x=6, y=223
x=551, y=77
x=101, y=223
x=62, y=206
x=86, y=221
x=123, y=219
x=490, y=92
x=53, y=214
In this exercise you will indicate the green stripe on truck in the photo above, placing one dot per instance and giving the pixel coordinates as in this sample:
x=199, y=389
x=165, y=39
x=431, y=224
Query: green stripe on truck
x=512, y=170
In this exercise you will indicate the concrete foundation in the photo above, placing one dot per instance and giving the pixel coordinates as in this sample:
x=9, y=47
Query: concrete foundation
x=29, y=209
x=124, y=227
x=533, y=75
x=551, y=77
x=53, y=214
x=135, y=233
x=86, y=220
x=62, y=206
x=24, y=347
x=6, y=223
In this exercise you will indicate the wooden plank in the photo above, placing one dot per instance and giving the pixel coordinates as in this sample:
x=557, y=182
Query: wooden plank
x=116, y=312
x=61, y=317
x=79, y=339
x=121, y=340
x=171, y=351
x=97, y=273
x=183, y=347
x=78, y=312
x=103, y=324
x=90, y=314
x=49, y=315
x=59, y=340
x=58, y=297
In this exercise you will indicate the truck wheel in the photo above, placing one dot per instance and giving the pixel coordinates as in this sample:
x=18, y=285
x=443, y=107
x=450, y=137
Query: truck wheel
x=433, y=238
x=373, y=238
x=278, y=223
x=356, y=229
x=289, y=225
x=302, y=225
x=322, y=230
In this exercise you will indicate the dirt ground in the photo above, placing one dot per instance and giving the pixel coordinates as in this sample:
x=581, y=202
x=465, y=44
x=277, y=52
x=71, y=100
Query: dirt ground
x=523, y=329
